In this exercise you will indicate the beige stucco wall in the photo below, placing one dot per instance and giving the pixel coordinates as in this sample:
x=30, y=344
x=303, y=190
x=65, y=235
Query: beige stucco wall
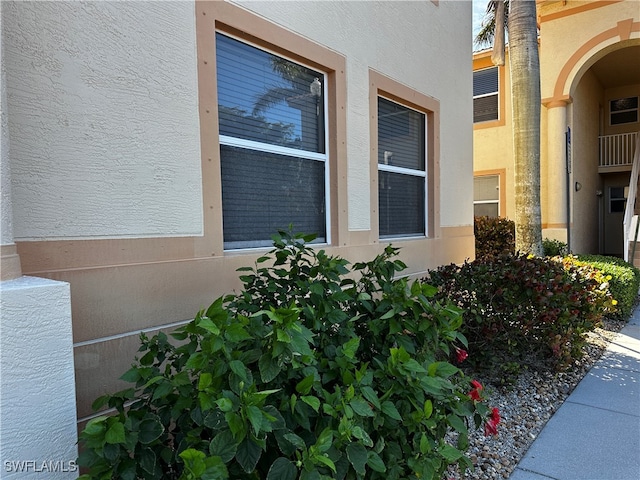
x=585, y=119
x=587, y=20
x=104, y=119
x=110, y=125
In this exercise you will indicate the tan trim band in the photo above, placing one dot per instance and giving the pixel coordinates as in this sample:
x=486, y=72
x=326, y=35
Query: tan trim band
x=575, y=10
x=622, y=30
x=9, y=263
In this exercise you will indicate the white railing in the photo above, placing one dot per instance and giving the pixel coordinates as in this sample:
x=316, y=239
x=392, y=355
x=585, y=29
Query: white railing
x=630, y=223
x=617, y=150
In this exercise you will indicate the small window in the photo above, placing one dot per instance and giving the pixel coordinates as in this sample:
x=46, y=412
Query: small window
x=401, y=170
x=272, y=145
x=617, y=201
x=485, y=95
x=624, y=110
x=486, y=196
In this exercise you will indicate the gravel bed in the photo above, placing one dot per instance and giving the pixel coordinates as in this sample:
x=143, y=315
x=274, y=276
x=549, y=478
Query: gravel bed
x=525, y=407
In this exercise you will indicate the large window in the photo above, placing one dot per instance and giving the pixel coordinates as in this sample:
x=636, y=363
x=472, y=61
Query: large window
x=401, y=170
x=485, y=95
x=272, y=145
x=486, y=196
x=624, y=110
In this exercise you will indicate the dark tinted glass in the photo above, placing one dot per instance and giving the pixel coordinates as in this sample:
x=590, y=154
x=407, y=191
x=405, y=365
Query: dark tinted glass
x=264, y=192
x=401, y=202
x=401, y=136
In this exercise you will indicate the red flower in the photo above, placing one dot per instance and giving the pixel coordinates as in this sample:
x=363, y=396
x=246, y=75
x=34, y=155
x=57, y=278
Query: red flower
x=475, y=392
x=495, y=415
x=491, y=425
x=461, y=355
x=490, y=428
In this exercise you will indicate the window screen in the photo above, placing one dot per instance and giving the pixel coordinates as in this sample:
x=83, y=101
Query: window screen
x=485, y=95
x=272, y=145
x=486, y=196
x=401, y=170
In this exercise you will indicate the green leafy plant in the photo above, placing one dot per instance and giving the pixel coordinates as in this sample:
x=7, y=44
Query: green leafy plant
x=622, y=277
x=553, y=247
x=313, y=371
x=523, y=309
x=494, y=236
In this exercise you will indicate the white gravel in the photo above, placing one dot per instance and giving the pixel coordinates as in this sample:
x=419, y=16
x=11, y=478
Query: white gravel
x=525, y=407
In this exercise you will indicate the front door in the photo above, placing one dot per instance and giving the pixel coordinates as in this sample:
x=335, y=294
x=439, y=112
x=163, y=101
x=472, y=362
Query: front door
x=614, y=205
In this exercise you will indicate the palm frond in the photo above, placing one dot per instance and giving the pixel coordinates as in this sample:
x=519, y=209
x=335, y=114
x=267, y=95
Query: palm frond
x=485, y=36
x=272, y=97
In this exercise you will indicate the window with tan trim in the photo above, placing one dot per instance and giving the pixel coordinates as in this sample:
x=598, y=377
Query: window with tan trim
x=486, y=196
x=488, y=193
x=272, y=130
x=272, y=145
x=404, y=123
x=486, y=105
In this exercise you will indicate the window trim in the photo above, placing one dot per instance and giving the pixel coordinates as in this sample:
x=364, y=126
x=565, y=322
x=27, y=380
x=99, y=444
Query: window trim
x=383, y=86
x=223, y=17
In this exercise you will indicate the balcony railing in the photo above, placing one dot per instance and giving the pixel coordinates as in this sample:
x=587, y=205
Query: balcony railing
x=617, y=150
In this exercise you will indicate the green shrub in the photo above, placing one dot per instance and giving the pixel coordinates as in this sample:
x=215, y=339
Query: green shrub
x=311, y=372
x=494, y=236
x=523, y=309
x=553, y=248
x=624, y=280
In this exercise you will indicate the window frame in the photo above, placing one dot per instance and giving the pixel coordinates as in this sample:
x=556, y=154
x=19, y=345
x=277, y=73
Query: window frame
x=636, y=109
x=501, y=174
x=411, y=172
x=248, y=27
x=263, y=147
x=486, y=95
x=384, y=86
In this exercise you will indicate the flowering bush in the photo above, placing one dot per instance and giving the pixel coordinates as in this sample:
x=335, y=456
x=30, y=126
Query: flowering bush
x=311, y=372
x=622, y=277
x=524, y=309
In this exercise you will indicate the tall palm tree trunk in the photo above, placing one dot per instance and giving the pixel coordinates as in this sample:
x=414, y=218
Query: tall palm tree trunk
x=525, y=98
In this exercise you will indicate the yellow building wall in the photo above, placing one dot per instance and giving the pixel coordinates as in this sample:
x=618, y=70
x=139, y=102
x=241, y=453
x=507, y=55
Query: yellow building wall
x=585, y=114
x=574, y=35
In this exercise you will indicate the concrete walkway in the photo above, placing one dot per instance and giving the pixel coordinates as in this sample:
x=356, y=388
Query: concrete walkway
x=595, y=434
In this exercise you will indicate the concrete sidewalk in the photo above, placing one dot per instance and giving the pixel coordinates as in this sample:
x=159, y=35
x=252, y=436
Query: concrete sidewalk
x=595, y=434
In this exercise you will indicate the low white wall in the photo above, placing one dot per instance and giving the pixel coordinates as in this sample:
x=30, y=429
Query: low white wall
x=38, y=431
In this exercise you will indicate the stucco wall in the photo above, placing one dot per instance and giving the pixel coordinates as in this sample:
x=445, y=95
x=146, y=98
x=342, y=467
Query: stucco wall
x=585, y=113
x=37, y=405
x=584, y=26
x=414, y=55
x=493, y=146
x=104, y=119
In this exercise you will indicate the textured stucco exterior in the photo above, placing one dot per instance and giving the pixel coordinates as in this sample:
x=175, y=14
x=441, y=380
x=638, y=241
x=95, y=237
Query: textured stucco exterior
x=104, y=119
x=115, y=154
x=37, y=382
